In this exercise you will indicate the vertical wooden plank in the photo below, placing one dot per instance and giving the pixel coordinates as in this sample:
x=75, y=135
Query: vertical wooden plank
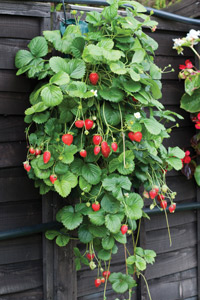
x=142, y=290
x=48, y=248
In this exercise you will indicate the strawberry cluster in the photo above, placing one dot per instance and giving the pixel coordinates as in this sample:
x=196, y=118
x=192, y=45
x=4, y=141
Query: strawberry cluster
x=187, y=158
x=196, y=119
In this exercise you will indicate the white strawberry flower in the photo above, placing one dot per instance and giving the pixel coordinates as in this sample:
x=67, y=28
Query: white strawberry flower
x=94, y=92
x=137, y=115
x=178, y=43
x=193, y=35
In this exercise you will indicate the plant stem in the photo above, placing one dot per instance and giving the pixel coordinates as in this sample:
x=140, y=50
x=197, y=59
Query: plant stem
x=146, y=285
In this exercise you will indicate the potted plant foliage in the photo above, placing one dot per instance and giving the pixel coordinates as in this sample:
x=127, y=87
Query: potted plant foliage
x=96, y=128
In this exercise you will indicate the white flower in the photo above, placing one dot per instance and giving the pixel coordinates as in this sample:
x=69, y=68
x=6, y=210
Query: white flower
x=137, y=115
x=193, y=35
x=178, y=43
x=94, y=92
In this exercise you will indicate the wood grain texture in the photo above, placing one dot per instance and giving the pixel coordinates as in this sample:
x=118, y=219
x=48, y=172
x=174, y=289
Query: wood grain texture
x=20, y=276
x=21, y=249
x=25, y=8
x=187, y=8
x=12, y=128
x=13, y=103
x=10, y=47
x=18, y=214
x=9, y=82
x=12, y=154
x=19, y=27
x=180, y=137
x=172, y=262
x=33, y=294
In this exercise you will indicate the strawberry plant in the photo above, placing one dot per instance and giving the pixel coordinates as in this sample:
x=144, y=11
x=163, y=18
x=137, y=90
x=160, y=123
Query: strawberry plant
x=190, y=101
x=96, y=118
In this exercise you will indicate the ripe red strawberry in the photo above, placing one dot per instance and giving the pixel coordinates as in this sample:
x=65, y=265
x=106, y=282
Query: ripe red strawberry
x=114, y=146
x=67, y=139
x=97, y=139
x=94, y=77
x=124, y=229
x=106, y=274
x=160, y=197
x=97, y=150
x=187, y=159
x=32, y=150
x=153, y=194
x=79, y=123
x=187, y=153
x=46, y=157
x=88, y=124
x=163, y=204
x=172, y=208
x=137, y=136
x=90, y=256
x=135, y=100
x=96, y=206
x=97, y=282
x=83, y=153
x=131, y=135
x=53, y=178
x=37, y=152
x=105, y=149
x=27, y=167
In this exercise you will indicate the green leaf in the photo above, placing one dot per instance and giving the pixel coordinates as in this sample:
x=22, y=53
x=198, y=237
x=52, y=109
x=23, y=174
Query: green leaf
x=176, y=151
x=38, y=46
x=176, y=163
x=62, y=240
x=121, y=238
x=149, y=256
x=106, y=43
x=91, y=173
x=71, y=220
x=60, y=78
x=113, y=223
x=104, y=254
x=112, y=116
x=39, y=107
x=51, y=234
x=192, y=83
x=58, y=64
x=131, y=260
x=63, y=187
x=118, y=67
x=110, y=12
x=134, y=76
x=76, y=166
x=84, y=234
x=110, y=204
x=121, y=282
x=138, y=56
x=32, y=139
x=52, y=95
x=197, y=175
x=114, y=183
x=68, y=154
x=98, y=231
x=131, y=86
x=71, y=178
x=97, y=217
x=77, y=46
x=23, y=58
x=140, y=263
x=191, y=103
x=76, y=68
x=112, y=55
x=60, y=168
x=112, y=94
x=76, y=89
x=153, y=126
x=84, y=185
x=42, y=165
x=94, y=18
x=108, y=242
x=78, y=264
x=41, y=118
x=135, y=204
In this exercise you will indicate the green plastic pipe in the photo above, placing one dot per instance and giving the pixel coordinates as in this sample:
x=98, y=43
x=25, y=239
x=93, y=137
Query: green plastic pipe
x=157, y=12
x=30, y=230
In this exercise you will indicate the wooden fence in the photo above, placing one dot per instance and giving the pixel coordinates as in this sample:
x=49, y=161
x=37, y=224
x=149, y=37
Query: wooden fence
x=33, y=268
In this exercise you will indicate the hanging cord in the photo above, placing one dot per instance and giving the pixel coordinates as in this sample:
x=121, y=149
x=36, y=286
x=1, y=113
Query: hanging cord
x=65, y=16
